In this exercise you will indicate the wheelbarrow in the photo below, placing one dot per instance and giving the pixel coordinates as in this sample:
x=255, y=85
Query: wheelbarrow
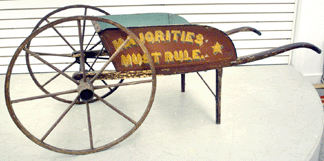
x=131, y=50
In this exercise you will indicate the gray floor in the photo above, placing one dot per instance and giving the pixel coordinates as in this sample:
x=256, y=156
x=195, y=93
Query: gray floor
x=321, y=156
x=274, y=116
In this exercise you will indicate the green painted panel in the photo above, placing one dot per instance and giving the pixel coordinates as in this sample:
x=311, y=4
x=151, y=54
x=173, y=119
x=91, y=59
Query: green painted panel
x=146, y=19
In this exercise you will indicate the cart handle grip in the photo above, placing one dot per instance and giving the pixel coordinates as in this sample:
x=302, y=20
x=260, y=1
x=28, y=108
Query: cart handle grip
x=273, y=52
x=240, y=29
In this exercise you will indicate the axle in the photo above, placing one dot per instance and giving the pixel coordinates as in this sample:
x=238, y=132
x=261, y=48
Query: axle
x=85, y=90
x=89, y=53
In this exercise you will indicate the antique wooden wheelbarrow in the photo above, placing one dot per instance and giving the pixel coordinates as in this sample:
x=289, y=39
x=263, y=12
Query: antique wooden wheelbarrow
x=137, y=47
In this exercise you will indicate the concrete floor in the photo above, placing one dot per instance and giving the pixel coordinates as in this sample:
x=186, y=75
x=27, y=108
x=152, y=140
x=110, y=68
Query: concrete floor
x=268, y=113
x=321, y=155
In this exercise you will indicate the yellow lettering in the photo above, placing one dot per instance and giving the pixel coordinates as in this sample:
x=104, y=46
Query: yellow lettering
x=149, y=37
x=189, y=37
x=126, y=61
x=186, y=56
x=156, y=57
x=144, y=59
x=131, y=43
x=168, y=57
x=195, y=54
x=178, y=56
x=202, y=57
x=199, y=39
x=167, y=36
x=137, y=59
x=118, y=43
x=141, y=36
x=175, y=33
x=159, y=36
x=183, y=36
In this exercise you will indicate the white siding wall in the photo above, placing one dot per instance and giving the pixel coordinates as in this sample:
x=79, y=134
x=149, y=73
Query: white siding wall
x=274, y=18
x=309, y=28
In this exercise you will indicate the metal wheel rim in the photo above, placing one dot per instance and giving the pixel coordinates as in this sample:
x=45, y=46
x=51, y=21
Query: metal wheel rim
x=86, y=151
x=45, y=18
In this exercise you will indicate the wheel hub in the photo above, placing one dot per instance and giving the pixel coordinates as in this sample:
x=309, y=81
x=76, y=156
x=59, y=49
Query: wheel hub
x=85, y=90
x=88, y=54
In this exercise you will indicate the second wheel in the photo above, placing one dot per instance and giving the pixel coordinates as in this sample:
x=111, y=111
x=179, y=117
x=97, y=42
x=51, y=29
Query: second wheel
x=62, y=39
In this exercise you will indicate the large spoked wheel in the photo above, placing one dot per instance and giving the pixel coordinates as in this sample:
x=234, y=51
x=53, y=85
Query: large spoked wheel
x=95, y=50
x=77, y=128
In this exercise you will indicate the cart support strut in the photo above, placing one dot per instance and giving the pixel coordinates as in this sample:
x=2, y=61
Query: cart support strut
x=219, y=73
x=183, y=82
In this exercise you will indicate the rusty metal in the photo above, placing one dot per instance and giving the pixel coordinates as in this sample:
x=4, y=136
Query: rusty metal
x=85, y=90
x=136, y=52
x=219, y=74
x=183, y=82
x=79, y=87
x=104, y=75
x=46, y=17
x=225, y=58
x=175, y=49
x=77, y=54
x=273, y=52
x=241, y=29
x=230, y=32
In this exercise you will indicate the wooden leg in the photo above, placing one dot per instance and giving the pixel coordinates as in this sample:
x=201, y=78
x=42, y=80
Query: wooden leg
x=183, y=82
x=219, y=73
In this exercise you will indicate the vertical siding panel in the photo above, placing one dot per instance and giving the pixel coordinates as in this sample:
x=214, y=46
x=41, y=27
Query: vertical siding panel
x=275, y=18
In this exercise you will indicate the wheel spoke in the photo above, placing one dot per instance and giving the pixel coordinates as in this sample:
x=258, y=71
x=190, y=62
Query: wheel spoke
x=104, y=82
x=116, y=110
x=82, y=64
x=70, y=95
x=44, y=96
x=90, y=41
x=95, y=45
x=61, y=36
x=51, y=54
x=123, y=84
x=84, y=25
x=89, y=125
x=59, y=119
x=74, y=90
x=58, y=74
x=91, y=67
x=111, y=58
x=50, y=65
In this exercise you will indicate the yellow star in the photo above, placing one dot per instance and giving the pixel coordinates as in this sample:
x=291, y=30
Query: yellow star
x=217, y=48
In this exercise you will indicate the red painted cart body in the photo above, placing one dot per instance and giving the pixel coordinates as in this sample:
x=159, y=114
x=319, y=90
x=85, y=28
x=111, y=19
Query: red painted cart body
x=139, y=45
